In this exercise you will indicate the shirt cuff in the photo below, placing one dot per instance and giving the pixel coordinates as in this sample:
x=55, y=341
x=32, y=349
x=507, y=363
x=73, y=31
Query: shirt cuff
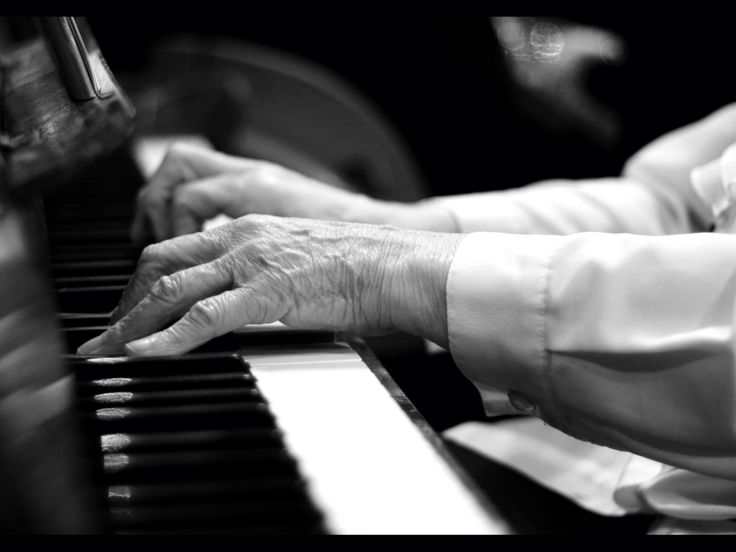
x=715, y=184
x=496, y=310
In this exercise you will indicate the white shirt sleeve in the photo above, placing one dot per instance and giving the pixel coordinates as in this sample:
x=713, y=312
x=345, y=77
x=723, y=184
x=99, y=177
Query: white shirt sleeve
x=654, y=195
x=621, y=339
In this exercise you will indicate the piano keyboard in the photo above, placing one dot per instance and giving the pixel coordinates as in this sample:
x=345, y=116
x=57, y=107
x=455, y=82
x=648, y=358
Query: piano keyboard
x=191, y=444
x=265, y=430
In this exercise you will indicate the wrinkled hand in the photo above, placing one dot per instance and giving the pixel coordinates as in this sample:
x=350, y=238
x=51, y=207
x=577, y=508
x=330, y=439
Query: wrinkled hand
x=194, y=184
x=307, y=274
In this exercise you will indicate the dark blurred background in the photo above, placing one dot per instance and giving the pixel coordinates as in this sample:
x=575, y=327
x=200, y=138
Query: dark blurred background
x=488, y=103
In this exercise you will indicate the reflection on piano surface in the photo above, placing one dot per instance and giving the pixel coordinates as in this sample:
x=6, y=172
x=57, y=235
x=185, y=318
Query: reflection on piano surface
x=260, y=431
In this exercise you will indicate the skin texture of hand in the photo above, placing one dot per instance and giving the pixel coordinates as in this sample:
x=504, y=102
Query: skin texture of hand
x=307, y=274
x=194, y=184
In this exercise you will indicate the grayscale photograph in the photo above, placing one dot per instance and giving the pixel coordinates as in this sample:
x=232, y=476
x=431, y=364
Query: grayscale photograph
x=290, y=275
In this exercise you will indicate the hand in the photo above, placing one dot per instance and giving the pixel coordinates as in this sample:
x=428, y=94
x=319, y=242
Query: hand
x=308, y=274
x=194, y=184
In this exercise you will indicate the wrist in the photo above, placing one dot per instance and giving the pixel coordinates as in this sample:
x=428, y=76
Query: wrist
x=417, y=284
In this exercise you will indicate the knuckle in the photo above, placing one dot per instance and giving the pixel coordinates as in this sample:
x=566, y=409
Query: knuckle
x=205, y=315
x=226, y=265
x=150, y=253
x=122, y=331
x=166, y=290
x=256, y=220
x=242, y=224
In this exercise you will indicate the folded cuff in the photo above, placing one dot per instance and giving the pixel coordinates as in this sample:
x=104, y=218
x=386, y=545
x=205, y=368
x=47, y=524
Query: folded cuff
x=496, y=303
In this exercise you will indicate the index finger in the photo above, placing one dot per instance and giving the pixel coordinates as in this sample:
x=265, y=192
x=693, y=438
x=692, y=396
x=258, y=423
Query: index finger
x=163, y=259
x=210, y=318
x=168, y=299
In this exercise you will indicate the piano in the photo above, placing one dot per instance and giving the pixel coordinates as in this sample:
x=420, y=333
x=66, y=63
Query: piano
x=263, y=431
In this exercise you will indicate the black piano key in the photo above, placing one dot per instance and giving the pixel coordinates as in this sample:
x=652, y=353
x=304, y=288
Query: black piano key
x=199, y=491
x=76, y=237
x=91, y=254
x=91, y=387
x=84, y=320
x=92, y=268
x=204, y=465
x=162, y=398
x=100, y=299
x=70, y=282
x=131, y=367
x=167, y=442
x=181, y=418
x=76, y=336
x=111, y=248
x=86, y=211
x=292, y=529
x=80, y=231
x=114, y=227
x=271, y=515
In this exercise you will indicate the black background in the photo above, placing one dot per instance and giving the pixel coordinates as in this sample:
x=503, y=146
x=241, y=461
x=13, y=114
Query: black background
x=443, y=82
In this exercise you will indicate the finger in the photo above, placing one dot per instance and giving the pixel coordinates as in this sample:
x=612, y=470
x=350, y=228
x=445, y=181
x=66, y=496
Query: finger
x=189, y=162
x=151, y=218
x=208, y=319
x=162, y=259
x=196, y=202
x=198, y=161
x=140, y=230
x=183, y=163
x=156, y=210
x=169, y=298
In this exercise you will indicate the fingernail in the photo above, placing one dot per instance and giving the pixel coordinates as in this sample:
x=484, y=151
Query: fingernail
x=91, y=346
x=114, y=315
x=139, y=347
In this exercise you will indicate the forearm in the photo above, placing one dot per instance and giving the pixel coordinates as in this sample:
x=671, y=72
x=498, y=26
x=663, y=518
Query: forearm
x=420, y=215
x=562, y=207
x=654, y=195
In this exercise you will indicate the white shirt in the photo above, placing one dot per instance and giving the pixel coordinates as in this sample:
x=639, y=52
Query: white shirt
x=606, y=308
